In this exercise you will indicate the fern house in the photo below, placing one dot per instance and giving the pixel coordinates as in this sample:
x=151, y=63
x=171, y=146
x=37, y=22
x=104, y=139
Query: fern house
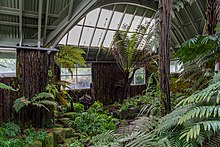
x=119, y=73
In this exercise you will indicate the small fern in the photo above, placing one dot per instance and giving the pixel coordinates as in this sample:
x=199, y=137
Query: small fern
x=6, y=87
x=43, y=100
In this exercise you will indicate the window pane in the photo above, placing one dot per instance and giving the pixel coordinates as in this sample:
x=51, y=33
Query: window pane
x=83, y=82
x=74, y=35
x=104, y=18
x=86, y=36
x=98, y=37
x=115, y=20
x=65, y=71
x=92, y=17
x=7, y=64
x=84, y=71
x=108, y=38
x=135, y=23
x=71, y=80
x=139, y=79
x=126, y=21
x=63, y=40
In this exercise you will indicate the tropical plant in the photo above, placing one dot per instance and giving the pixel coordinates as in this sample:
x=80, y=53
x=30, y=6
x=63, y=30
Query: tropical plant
x=199, y=56
x=42, y=100
x=6, y=87
x=128, y=58
x=68, y=56
x=93, y=121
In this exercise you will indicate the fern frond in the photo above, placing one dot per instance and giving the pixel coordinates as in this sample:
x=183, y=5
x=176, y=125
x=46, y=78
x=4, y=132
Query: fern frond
x=6, y=87
x=201, y=111
x=193, y=131
x=43, y=95
x=20, y=103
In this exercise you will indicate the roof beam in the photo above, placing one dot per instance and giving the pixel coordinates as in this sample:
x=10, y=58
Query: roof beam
x=39, y=23
x=66, y=25
x=26, y=13
x=119, y=25
x=191, y=21
x=46, y=20
x=20, y=22
x=80, y=36
x=93, y=33
x=7, y=23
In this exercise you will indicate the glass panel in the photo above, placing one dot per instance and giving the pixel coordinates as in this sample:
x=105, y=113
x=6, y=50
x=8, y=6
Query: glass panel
x=71, y=80
x=86, y=36
x=92, y=17
x=74, y=35
x=65, y=71
x=115, y=20
x=83, y=82
x=7, y=64
x=140, y=71
x=126, y=22
x=104, y=18
x=135, y=23
x=98, y=37
x=63, y=40
x=139, y=79
x=108, y=38
x=84, y=71
x=81, y=21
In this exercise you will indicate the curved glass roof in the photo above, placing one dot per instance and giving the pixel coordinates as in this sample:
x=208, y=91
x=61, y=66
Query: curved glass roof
x=95, y=31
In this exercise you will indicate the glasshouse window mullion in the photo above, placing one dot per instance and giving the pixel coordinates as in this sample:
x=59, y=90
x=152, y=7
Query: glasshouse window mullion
x=93, y=34
x=80, y=36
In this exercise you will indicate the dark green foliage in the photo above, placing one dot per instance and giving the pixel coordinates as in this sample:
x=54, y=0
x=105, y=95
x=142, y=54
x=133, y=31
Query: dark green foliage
x=32, y=136
x=4, y=86
x=9, y=129
x=11, y=136
x=42, y=99
x=94, y=121
x=68, y=56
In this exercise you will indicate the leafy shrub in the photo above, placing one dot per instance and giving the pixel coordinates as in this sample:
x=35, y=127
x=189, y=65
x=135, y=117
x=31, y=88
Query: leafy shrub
x=10, y=136
x=94, y=121
x=9, y=129
x=32, y=136
x=78, y=107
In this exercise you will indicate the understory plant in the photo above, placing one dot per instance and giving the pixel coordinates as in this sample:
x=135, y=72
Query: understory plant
x=11, y=135
x=194, y=122
x=94, y=121
x=41, y=100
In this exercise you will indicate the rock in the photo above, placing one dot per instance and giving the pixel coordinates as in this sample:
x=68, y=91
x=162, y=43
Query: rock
x=62, y=133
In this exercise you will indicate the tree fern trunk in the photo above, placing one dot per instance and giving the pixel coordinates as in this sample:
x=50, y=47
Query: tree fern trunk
x=212, y=13
x=164, y=54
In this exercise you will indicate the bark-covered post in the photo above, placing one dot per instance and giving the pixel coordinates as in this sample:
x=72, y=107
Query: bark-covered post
x=165, y=8
x=212, y=14
x=32, y=74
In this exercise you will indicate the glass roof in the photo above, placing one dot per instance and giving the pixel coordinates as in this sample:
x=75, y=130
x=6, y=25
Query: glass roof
x=97, y=28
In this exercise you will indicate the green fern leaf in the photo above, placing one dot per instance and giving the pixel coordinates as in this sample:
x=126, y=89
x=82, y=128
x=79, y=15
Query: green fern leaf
x=20, y=103
x=4, y=86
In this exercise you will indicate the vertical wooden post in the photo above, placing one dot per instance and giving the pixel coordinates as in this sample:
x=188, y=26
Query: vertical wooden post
x=165, y=8
x=32, y=73
x=212, y=14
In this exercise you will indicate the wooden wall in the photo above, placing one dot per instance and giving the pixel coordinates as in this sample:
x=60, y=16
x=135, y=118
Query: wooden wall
x=32, y=74
x=6, y=100
x=32, y=77
x=104, y=77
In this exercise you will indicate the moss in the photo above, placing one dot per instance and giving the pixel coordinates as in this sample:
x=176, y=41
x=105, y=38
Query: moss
x=36, y=144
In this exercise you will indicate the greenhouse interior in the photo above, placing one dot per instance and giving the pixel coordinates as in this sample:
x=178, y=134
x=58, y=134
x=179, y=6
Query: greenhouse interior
x=109, y=73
